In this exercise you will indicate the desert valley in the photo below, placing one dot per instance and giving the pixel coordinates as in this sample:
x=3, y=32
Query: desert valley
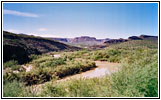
x=80, y=50
x=37, y=66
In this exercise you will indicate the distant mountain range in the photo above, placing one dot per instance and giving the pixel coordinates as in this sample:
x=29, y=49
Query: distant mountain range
x=81, y=41
x=141, y=37
x=87, y=41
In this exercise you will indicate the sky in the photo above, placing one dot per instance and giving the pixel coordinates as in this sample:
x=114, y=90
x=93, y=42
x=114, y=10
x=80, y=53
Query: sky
x=69, y=20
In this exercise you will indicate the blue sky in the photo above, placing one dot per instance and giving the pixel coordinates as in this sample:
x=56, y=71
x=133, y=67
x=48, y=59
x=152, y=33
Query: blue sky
x=100, y=20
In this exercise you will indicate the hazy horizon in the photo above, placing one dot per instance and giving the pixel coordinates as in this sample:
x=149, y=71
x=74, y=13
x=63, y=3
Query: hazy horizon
x=69, y=20
x=77, y=36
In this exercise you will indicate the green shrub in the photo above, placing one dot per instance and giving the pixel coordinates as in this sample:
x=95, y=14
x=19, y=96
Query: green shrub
x=53, y=91
x=10, y=76
x=33, y=56
x=43, y=59
x=137, y=78
x=37, y=76
x=113, y=52
x=13, y=89
x=17, y=89
x=11, y=64
x=53, y=62
x=78, y=88
x=74, y=67
x=111, y=55
x=134, y=44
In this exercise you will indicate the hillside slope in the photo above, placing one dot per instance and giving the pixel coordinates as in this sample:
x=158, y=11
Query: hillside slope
x=19, y=46
x=132, y=38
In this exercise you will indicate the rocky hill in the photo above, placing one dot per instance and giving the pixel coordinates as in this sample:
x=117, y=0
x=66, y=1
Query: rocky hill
x=79, y=39
x=134, y=38
x=148, y=36
x=141, y=37
x=83, y=41
x=92, y=42
x=19, y=46
x=82, y=38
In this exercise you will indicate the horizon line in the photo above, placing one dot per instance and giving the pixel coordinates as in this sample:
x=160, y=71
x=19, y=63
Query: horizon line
x=73, y=37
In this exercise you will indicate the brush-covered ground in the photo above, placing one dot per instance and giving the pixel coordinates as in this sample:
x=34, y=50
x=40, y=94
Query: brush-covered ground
x=137, y=77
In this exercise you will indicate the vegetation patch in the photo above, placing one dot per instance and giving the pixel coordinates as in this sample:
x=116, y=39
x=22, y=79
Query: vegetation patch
x=11, y=64
x=136, y=79
x=138, y=76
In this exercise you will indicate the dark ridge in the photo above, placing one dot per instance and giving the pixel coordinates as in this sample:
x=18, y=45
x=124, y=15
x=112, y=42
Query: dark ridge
x=141, y=37
x=134, y=38
x=147, y=36
x=114, y=41
x=20, y=46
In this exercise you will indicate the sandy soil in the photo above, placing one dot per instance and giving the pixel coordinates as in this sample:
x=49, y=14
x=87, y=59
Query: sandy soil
x=27, y=68
x=57, y=56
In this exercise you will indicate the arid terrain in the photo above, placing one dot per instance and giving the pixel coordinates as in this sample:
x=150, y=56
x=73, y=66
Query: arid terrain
x=43, y=67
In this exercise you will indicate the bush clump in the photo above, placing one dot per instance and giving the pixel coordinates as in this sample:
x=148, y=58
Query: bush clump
x=74, y=67
x=13, y=89
x=138, y=77
x=13, y=64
